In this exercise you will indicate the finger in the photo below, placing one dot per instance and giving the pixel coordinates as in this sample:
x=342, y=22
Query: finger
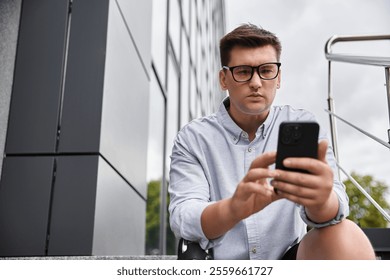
x=313, y=166
x=284, y=188
x=296, y=199
x=264, y=160
x=256, y=188
x=306, y=180
x=322, y=149
x=258, y=174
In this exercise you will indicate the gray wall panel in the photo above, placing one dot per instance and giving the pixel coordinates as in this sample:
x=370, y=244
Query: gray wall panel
x=125, y=105
x=81, y=117
x=100, y=108
x=38, y=76
x=119, y=216
x=72, y=217
x=24, y=205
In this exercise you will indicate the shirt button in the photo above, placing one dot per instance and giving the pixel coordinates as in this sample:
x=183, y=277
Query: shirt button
x=254, y=250
x=249, y=150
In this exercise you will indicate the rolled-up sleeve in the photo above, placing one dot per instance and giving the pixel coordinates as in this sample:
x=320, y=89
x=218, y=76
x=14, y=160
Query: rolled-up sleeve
x=189, y=194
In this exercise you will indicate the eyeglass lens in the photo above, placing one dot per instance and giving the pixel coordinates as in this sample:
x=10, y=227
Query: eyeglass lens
x=244, y=73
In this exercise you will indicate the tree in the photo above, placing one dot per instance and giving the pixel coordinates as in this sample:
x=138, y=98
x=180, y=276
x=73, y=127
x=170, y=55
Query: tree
x=362, y=211
x=153, y=222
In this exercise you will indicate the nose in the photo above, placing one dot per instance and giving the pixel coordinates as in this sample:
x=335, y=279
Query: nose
x=255, y=82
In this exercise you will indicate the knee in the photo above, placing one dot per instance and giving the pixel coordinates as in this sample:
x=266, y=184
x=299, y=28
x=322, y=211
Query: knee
x=344, y=229
x=341, y=232
x=342, y=241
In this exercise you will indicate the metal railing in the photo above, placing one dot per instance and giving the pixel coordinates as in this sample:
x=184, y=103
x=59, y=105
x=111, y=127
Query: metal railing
x=363, y=60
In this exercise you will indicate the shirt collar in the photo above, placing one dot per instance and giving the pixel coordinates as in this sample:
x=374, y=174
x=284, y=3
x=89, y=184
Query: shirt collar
x=233, y=129
x=227, y=122
x=268, y=121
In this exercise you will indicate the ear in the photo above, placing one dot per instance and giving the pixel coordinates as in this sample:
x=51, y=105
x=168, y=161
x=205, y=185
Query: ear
x=222, y=79
x=279, y=79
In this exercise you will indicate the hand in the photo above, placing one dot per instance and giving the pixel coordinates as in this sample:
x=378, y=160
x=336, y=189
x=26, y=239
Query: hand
x=313, y=190
x=254, y=193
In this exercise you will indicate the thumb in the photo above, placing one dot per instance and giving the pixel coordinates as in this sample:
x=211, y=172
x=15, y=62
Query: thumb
x=322, y=148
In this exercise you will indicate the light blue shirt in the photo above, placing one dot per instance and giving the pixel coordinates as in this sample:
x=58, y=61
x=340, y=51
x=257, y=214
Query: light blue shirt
x=210, y=157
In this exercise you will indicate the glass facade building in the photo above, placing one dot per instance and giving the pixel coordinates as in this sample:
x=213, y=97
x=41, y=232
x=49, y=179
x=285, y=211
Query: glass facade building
x=92, y=95
x=184, y=80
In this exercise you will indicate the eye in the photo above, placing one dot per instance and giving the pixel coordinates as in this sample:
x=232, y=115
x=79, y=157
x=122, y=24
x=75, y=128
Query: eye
x=267, y=69
x=243, y=70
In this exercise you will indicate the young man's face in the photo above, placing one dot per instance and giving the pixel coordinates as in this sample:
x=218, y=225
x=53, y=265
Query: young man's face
x=255, y=96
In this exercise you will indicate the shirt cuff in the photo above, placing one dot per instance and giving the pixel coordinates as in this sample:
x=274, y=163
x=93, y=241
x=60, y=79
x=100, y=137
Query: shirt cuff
x=190, y=227
x=339, y=217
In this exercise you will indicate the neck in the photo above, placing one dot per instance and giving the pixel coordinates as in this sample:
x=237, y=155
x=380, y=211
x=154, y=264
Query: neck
x=248, y=123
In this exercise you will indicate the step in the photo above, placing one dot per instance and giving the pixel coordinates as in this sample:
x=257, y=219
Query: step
x=380, y=240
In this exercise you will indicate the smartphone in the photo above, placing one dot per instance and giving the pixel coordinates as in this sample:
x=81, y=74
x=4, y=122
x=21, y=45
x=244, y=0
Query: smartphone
x=296, y=139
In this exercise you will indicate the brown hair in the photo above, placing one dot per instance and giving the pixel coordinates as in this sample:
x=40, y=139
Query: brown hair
x=250, y=36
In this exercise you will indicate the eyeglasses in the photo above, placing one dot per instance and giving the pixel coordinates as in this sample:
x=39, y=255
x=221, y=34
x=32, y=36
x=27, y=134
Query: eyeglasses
x=244, y=73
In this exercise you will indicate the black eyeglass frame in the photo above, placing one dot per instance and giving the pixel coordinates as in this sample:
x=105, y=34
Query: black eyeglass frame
x=231, y=69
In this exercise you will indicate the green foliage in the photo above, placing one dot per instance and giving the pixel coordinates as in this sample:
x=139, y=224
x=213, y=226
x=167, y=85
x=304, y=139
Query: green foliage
x=153, y=222
x=362, y=211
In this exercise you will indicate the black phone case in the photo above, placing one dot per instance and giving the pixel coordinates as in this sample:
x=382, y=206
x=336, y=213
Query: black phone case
x=297, y=139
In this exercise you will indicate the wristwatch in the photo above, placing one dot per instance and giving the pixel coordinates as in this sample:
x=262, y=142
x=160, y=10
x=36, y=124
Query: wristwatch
x=337, y=219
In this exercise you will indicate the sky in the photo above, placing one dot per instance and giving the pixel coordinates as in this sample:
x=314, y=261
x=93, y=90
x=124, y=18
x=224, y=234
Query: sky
x=304, y=26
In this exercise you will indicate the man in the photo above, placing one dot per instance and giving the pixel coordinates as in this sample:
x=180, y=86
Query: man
x=223, y=182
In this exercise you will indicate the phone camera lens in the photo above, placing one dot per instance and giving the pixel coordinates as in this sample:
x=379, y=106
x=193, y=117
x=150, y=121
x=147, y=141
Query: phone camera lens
x=297, y=133
x=286, y=139
x=291, y=134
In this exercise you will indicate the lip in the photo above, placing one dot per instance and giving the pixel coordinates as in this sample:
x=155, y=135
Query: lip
x=256, y=95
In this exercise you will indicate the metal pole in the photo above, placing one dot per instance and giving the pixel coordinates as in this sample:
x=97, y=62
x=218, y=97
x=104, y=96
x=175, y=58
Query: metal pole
x=380, y=141
x=387, y=75
x=163, y=192
x=163, y=188
x=332, y=120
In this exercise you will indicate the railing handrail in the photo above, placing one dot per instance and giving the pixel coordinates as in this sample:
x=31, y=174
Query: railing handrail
x=366, y=60
x=380, y=141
